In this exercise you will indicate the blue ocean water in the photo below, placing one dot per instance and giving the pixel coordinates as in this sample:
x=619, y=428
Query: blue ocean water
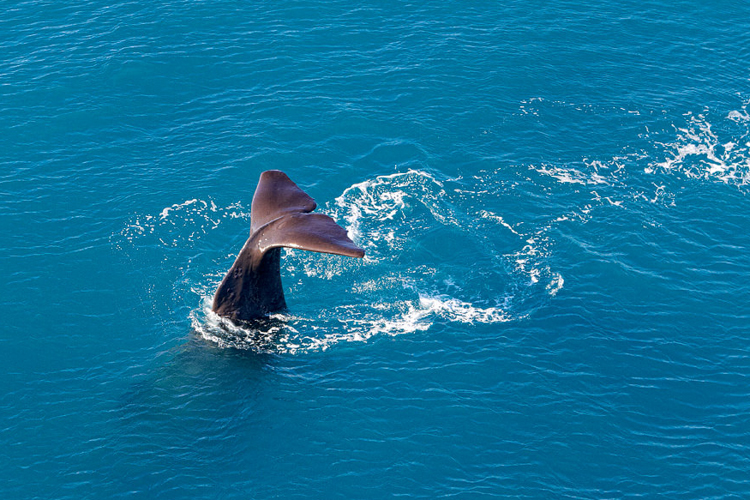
x=553, y=197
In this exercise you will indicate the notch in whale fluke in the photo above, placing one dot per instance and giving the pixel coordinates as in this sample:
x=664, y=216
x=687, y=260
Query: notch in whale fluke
x=279, y=217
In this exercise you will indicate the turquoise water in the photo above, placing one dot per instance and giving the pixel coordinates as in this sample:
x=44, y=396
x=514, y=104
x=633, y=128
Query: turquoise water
x=553, y=197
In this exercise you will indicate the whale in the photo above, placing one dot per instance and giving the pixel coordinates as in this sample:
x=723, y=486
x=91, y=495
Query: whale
x=280, y=216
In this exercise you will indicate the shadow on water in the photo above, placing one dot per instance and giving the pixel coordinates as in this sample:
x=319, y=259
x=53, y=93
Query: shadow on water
x=196, y=376
x=198, y=400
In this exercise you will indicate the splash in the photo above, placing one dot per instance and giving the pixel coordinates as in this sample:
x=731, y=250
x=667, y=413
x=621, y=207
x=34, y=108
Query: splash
x=412, y=225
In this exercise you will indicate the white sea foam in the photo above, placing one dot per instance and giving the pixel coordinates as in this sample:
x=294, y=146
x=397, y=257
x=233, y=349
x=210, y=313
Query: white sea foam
x=704, y=147
x=571, y=175
x=741, y=115
x=389, y=207
x=276, y=334
x=486, y=214
x=387, y=212
x=698, y=151
x=588, y=173
x=283, y=333
x=181, y=223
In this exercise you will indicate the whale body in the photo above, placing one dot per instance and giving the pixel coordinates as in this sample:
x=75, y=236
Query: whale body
x=279, y=217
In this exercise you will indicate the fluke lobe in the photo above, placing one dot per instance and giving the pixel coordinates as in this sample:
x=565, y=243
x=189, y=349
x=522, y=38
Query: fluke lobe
x=279, y=217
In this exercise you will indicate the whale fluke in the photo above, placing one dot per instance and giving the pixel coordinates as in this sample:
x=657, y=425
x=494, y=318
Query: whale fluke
x=279, y=217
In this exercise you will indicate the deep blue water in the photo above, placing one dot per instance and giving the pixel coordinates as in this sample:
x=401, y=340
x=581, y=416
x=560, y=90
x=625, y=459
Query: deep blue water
x=553, y=197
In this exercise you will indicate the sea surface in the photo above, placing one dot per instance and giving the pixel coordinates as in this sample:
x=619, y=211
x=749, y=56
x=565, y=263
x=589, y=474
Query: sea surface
x=554, y=201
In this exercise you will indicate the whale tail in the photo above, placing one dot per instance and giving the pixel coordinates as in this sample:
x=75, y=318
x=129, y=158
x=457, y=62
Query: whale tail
x=279, y=217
